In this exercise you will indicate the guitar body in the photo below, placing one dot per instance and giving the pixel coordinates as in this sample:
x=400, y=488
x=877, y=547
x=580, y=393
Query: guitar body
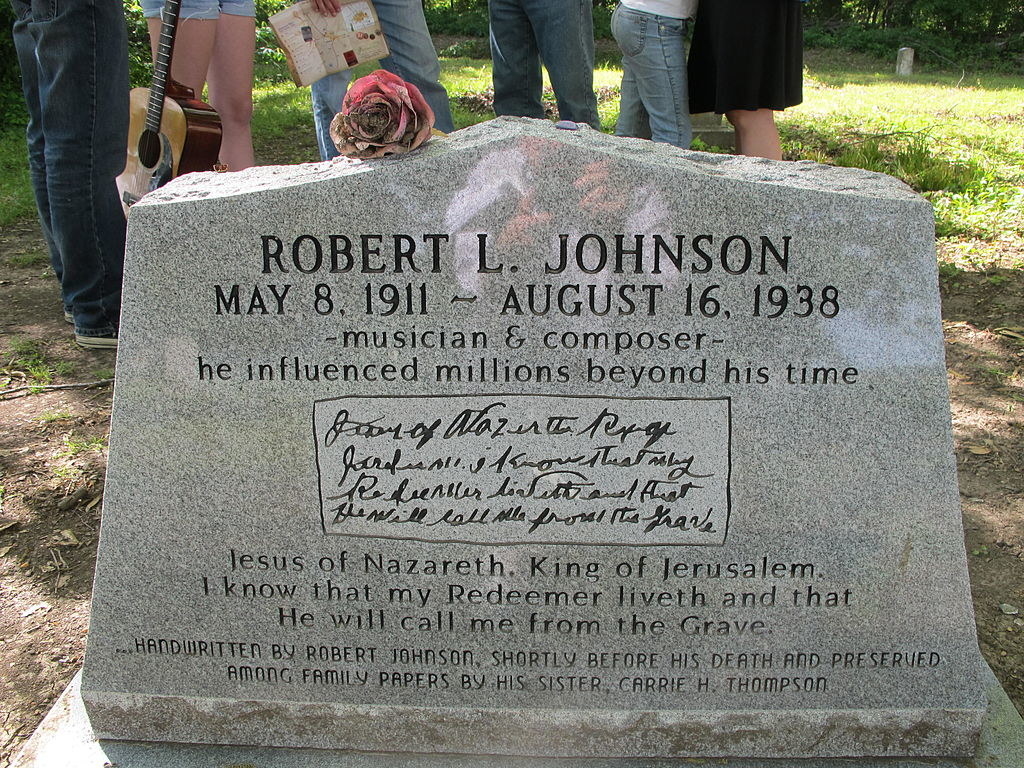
x=188, y=140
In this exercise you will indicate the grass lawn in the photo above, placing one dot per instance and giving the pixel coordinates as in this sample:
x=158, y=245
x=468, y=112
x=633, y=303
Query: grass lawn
x=956, y=138
x=283, y=122
x=16, y=199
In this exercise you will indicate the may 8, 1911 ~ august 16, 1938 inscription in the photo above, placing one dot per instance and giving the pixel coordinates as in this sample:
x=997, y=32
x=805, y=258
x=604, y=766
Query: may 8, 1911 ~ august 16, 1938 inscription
x=534, y=442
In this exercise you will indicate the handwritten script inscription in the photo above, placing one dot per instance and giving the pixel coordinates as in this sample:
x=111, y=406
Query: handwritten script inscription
x=507, y=469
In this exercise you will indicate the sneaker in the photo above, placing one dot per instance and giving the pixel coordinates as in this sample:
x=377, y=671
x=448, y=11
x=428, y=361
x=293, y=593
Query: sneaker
x=108, y=341
x=68, y=317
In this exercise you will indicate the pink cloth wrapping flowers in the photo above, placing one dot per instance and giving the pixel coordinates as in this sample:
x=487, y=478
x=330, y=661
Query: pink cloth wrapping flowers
x=381, y=115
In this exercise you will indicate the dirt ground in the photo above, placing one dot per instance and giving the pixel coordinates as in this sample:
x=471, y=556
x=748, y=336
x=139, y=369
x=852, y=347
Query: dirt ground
x=53, y=455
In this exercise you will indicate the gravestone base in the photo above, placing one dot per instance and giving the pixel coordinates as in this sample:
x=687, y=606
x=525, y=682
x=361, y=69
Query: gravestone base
x=65, y=738
x=713, y=130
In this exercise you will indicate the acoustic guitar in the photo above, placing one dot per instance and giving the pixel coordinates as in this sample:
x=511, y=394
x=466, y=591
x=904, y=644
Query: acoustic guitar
x=170, y=131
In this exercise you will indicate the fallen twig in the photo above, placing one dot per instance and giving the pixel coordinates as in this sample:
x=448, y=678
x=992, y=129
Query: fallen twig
x=37, y=387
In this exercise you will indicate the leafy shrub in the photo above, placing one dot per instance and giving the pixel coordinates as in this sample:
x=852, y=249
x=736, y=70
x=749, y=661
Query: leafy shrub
x=937, y=50
x=140, y=59
x=471, y=21
x=270, y=59
x=464, y=22
x=12, y=104
x=603, y=22
x=474, y=48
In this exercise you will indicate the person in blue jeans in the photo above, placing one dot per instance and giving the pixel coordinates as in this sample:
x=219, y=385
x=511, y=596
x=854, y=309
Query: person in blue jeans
x=412, y=58
x=652, y=37
x=73, y=56
x=559, y=34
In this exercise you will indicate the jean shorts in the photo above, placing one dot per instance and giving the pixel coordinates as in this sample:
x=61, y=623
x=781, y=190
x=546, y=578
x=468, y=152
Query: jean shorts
x=202, y=9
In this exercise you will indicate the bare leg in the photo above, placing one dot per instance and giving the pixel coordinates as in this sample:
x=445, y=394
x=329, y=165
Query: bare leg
x=230, y=77
x=220, y=50
x=193, y=46
x=756, y=134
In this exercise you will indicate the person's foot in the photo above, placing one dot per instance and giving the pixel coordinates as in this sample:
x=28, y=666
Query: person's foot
x=68, y=317
x=107, y=341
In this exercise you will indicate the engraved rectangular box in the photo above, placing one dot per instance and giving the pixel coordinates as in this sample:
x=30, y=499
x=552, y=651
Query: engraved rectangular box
x=510, y=469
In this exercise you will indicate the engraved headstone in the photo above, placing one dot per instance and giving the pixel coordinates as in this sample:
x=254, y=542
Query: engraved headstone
x=534, y=442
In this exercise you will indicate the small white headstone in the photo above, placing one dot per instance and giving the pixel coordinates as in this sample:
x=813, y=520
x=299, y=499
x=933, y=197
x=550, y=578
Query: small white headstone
x=905, y=62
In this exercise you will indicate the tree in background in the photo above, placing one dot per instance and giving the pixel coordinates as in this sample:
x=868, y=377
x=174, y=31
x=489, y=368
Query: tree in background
x=982, y=20
x=12, y=106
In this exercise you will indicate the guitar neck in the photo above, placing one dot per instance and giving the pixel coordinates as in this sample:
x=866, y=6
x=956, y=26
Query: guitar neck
x=162, y=65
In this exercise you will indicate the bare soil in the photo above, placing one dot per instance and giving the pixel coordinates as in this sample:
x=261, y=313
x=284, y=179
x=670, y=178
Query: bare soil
x=53, y=456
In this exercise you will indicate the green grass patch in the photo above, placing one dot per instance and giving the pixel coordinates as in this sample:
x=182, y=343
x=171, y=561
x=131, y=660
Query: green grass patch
x=949, y=271
x=66, y=472
x=31, y=259
x=282, y=125
x=27, y=359
x=64, y=468
x=972, y=255
x=75, y=446
x=989, y=209
x=51, y=417
x=16, y=198
x=909, y=156
x=957, y=139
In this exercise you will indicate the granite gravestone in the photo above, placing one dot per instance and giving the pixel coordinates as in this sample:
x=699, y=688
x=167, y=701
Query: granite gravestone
x=534, y=442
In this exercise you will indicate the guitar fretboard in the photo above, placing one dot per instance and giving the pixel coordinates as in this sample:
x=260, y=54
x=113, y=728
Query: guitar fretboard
x=162, y=65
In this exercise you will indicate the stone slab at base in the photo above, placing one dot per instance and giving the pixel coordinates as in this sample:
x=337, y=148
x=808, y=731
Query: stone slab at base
x=65, y=740
x=713, y=130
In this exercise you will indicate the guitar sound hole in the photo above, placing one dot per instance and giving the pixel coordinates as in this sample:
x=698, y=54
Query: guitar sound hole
x=149, y=148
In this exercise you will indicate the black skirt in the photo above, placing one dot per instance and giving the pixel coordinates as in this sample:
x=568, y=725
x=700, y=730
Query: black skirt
x=746, y=54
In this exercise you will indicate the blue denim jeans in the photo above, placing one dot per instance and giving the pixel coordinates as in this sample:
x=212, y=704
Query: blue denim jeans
x=412, y=58
x=74, y=62
x=654, y=101
x=559, y=33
